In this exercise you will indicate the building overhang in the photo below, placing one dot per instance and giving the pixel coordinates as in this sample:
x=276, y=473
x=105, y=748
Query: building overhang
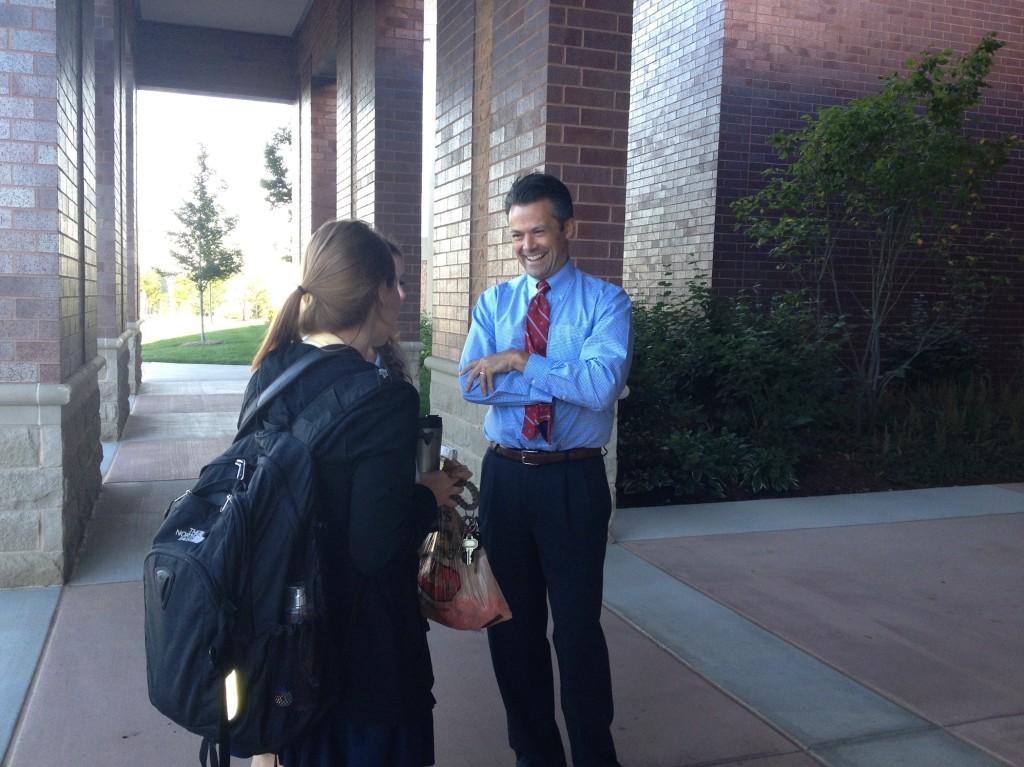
x=237, y=48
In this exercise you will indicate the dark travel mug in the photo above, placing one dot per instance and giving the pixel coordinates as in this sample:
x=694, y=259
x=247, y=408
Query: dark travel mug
x=428, y=444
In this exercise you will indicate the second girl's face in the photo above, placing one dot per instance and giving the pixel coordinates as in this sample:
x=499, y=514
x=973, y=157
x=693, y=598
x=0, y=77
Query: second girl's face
x=391, y=297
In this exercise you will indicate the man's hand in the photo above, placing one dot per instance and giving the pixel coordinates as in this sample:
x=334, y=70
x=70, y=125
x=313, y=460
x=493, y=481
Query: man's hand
x=485, y=368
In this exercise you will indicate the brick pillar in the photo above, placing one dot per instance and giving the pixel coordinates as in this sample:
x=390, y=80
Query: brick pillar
x=129, y=231
x=673, y=154
x=113, y=337
x=323, y=157
x=541, y=86
x=379, y=124
x=317, y=152
x=49, y=419
x=343, y=119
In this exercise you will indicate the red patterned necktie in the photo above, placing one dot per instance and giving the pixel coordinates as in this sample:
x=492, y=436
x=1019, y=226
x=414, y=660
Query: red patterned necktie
x=538, y=318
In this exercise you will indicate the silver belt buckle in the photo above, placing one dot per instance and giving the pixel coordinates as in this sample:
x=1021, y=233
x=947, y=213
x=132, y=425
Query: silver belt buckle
x=523, y=455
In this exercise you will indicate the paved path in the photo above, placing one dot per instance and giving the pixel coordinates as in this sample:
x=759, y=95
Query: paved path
x=877, y=630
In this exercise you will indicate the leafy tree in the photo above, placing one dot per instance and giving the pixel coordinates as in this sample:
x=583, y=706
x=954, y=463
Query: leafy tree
x=257, y=300
x=152, y=286
x=897, y=176
x=203, y=256
x=279, y=189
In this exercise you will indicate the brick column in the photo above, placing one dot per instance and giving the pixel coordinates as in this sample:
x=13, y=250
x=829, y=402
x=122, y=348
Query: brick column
x=49, y=397
x=673, y=142
x=129, y=231
x=540, y=86
x=322, y=153
x=379, y=125
x=113, y=337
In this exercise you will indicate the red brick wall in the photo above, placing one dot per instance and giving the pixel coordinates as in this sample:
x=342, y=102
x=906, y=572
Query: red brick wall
x=322, y=152
x=785, y=59
x=587, y=120
x=523, y=86
x=302, y=194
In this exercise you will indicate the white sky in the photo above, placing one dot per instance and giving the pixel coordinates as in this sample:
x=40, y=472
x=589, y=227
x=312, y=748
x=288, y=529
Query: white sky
x=171, y=126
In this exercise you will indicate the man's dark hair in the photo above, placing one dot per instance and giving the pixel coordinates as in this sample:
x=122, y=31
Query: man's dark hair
x=541, y=186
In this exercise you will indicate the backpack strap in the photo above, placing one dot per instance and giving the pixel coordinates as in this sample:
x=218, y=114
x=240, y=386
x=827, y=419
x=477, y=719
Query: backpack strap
x=279, y=384
x=317, y=419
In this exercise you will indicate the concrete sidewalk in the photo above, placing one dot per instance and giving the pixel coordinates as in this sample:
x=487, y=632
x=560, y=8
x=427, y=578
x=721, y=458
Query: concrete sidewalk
x=876, y=630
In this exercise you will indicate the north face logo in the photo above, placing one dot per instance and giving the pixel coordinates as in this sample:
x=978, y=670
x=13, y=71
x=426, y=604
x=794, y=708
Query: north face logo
x=191, y=535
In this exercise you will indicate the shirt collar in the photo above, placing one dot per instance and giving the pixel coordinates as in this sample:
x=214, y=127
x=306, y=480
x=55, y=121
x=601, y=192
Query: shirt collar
x=562, y=277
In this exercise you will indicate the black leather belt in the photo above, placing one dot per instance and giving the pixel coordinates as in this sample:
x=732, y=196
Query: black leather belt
x=542, y=457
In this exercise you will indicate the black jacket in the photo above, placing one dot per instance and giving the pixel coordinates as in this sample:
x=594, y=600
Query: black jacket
x=377, y=519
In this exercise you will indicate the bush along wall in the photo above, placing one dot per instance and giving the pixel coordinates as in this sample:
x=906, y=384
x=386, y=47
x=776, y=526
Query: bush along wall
x=726, y=396
x=748, y=397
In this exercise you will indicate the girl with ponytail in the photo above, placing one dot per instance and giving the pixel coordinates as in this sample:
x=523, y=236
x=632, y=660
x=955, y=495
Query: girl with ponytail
x=346, y=307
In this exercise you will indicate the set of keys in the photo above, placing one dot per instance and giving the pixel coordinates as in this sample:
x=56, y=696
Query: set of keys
x=470, y=530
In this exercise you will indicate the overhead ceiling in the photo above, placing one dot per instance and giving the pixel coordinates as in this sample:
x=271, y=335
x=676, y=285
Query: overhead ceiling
x=266, y=17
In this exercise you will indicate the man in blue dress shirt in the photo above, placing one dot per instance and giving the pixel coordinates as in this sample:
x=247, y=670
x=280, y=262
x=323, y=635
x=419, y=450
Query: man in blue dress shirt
x=545, y=502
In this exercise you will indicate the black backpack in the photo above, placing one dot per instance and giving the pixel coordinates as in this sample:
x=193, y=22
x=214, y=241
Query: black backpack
x=220, y=578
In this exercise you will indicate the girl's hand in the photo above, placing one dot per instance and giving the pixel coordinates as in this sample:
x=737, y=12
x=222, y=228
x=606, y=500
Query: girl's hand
x=442, y=485
x=458, y=471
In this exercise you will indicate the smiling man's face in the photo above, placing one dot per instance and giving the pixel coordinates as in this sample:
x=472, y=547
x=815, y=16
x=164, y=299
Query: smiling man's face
x=539, y=242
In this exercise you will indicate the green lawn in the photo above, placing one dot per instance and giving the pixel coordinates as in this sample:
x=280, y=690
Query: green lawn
x=238, y=346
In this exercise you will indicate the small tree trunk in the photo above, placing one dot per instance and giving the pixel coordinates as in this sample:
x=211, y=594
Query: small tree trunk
x=202, y=318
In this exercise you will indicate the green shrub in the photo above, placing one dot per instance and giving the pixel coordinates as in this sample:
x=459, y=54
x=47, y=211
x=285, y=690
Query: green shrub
x=726, y=394
x=952, y=432
x=426, y=349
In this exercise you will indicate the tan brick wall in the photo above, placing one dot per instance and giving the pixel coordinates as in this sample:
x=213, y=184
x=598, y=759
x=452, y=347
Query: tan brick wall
x=129, y=232
x=30, y=328
x=673, y=143
x=75, y=132
x=110, y=268
x=364, y=125
x=453, y=173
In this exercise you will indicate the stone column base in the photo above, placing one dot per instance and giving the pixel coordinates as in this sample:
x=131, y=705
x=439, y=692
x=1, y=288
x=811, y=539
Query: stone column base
x=115, y=384
x=50, y=457
x=135, y=357
x=411, y=354
x=463, y=422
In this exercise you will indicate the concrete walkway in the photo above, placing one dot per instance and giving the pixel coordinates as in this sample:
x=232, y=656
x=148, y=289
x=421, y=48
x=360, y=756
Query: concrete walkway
x=877, y=630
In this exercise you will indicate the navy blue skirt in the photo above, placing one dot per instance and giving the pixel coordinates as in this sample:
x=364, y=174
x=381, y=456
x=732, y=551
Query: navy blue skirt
x=339, y=741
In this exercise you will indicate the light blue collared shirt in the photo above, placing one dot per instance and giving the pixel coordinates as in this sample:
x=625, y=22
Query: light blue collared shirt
x=583, y=374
